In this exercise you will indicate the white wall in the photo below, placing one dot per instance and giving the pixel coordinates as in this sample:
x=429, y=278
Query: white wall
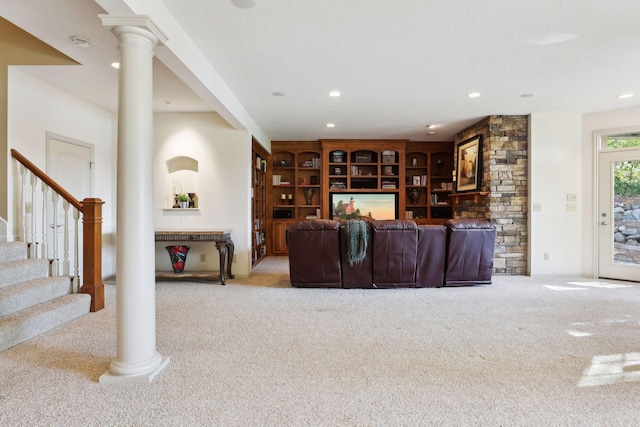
x=555, y=170
x=593, y=122
x=224, y=180
x=36, y=107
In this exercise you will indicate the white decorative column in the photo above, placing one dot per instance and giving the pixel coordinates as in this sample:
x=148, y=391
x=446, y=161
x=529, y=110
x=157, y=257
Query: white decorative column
x=137, y=358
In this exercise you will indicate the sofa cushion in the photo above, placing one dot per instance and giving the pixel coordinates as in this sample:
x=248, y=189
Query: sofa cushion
x=468, y=224
x=394, y=224
x=314, y=224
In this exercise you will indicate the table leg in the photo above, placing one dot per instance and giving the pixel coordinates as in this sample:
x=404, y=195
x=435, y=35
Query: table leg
x=222, y=249
x=230, y=250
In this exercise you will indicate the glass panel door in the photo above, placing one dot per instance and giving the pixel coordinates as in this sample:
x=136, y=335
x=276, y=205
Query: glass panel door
x=619, y=215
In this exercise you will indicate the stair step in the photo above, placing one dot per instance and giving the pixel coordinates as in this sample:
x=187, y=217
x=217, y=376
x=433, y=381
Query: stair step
x=27, y=294
x=33, y=321
x=23, y=270
x=12, y=251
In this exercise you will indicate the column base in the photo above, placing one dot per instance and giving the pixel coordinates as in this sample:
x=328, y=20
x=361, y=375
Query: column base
x=147, y=377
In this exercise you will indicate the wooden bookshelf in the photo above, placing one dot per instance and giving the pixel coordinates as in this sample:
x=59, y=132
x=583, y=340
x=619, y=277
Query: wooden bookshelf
x=302, y=175
x=259, y=203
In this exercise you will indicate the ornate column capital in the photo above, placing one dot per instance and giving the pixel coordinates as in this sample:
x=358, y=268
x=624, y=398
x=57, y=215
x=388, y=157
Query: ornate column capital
x=139, y=24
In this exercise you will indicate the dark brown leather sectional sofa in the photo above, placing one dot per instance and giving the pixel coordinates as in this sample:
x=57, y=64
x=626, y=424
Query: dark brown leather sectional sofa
x=399, y=253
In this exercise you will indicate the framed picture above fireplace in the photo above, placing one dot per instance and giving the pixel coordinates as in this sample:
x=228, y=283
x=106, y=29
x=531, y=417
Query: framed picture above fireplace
x=469, y=165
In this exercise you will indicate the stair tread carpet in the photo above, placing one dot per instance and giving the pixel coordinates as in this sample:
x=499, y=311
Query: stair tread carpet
x=23, y=270
x=12, y=251
x=30, y=322
x=27, y=294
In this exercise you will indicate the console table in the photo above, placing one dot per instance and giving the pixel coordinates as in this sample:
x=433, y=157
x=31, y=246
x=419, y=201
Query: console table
x=222, y=239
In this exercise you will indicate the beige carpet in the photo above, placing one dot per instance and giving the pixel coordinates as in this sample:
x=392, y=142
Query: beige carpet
x=524, y=351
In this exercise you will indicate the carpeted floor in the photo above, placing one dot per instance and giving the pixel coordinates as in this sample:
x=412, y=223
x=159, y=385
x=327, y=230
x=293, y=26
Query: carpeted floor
x=546, y=351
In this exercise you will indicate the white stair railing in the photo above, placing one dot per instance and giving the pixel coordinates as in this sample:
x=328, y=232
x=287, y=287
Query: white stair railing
x=82, y=248
x=50, y=226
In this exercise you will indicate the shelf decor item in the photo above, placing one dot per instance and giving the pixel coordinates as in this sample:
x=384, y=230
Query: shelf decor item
x=414, y=195
x=309, y=194
x=193, y=200
x=183, y=200
x=388, y=156
x=178, y=255
x=336, y=157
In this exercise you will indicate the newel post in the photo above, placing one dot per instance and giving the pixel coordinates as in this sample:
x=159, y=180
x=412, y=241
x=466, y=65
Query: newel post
x=92, y=259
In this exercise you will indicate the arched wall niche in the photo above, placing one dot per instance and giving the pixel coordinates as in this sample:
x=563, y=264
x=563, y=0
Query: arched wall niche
x=183, y=178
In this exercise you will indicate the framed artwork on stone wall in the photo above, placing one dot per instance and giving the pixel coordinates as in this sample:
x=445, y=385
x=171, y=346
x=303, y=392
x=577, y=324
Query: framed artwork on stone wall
x=469, y=165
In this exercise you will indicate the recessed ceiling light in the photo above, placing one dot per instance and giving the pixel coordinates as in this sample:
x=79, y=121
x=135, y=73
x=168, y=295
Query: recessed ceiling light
x=473, y=94
x=432, y=132
x=80, y=41
x=331, y=125
x=244, y=4
x=625, y=95
x=115, y=64
x=432, y=126
x=527, y=95
x=334, y=93
x=278, y=93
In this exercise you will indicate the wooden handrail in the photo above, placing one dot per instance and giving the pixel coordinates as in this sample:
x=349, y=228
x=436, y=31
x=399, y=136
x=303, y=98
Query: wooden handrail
x=47, y=180
x=91, y=209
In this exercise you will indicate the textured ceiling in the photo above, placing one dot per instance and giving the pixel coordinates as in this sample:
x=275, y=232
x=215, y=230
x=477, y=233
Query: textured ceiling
x=400, y=65
x=403, y=64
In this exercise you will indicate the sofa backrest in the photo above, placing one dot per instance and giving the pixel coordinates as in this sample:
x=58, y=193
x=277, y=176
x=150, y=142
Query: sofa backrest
x=314, y=253
x=395, y=245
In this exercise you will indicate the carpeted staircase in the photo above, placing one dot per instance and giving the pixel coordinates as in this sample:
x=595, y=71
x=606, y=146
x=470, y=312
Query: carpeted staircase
x=31, y=302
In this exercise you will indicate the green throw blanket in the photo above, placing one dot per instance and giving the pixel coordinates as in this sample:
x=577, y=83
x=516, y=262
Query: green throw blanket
x=357, y=238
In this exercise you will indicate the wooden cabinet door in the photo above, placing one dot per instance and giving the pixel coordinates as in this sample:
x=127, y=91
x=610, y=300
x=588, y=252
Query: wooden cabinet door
x=279, y=238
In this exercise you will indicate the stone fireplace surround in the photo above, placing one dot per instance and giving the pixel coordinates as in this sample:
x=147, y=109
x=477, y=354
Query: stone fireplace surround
x=504, y=168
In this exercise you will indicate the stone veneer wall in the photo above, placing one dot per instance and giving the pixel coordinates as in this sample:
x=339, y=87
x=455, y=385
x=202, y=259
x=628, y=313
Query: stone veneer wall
x=504, y=176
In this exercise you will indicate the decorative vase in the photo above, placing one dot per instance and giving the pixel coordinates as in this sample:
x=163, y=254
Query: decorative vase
x=178, y=255
x=414, y=195
x=309, y=194
x=184, y=205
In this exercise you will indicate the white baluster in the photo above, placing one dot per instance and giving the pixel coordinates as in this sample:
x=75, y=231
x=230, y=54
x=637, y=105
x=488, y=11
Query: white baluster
x=45, y=228
x=54, y=264
x=76, y=252
x=65, y=262
x=34, y=240
x=23, y=204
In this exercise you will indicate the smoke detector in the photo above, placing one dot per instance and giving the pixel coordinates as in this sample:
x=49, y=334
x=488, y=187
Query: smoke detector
x=80, y=41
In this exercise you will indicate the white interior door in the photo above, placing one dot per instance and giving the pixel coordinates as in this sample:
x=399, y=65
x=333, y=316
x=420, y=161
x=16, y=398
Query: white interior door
x=618, y=221
x=70, y=164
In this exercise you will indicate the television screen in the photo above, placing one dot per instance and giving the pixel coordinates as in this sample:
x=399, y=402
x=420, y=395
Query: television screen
x=355, y=205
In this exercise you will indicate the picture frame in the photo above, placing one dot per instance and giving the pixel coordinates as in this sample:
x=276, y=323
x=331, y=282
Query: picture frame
x=469, y=165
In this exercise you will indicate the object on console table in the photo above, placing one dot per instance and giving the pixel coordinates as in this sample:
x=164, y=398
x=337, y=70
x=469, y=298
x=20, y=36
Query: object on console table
x=222, y=239
x=178, y=255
